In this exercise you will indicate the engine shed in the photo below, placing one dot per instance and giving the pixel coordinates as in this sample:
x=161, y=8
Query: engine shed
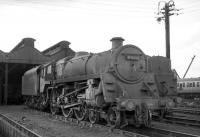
x=21, y=58
x=59, y=50
x=13, y=65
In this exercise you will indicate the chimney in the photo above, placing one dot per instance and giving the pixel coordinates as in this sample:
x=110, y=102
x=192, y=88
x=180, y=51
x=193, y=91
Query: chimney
x=28, y=42
x=117, y=42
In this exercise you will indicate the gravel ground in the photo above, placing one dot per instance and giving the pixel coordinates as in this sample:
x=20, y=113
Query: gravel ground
x=48, y=127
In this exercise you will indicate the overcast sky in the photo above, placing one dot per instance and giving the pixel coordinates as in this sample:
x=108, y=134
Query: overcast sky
x=90, y=24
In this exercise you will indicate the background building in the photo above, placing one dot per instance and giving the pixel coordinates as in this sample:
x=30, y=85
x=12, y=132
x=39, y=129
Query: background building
x=21, y=58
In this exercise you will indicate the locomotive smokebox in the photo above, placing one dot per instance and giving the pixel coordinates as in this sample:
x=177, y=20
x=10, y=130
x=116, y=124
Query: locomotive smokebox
x=117, y=42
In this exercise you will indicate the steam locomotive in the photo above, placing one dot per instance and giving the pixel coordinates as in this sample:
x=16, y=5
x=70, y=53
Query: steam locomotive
x=121, y=85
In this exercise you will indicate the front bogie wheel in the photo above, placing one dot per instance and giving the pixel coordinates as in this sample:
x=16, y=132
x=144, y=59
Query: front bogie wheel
x=146, y=115
x=147, y=118
x=114, y=117
x=137, y=116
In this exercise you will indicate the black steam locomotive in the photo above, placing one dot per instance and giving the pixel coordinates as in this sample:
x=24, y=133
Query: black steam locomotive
x=121, y=85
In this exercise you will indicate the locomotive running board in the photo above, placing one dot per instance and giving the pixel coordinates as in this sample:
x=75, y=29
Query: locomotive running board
x=77, y=78
x=72, y=105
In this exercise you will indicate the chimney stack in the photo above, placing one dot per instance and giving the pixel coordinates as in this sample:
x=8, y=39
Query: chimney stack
x=117, y=42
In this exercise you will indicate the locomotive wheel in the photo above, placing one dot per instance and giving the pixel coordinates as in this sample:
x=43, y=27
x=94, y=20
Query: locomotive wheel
x=80, y=112
x=43, y=102
x=137, y=116
x=93, y=116
x=32, y=102
x=54, y=110
x=146, y=116
x=114, y=118
x=28, y=102
x=67, y=112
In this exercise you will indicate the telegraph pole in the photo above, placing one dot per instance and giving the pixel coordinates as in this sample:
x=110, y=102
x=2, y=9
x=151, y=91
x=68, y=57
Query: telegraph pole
x=167, y=30
x=163, y=14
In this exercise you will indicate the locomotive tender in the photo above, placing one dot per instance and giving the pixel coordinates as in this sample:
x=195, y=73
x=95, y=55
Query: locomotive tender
x=121, y=85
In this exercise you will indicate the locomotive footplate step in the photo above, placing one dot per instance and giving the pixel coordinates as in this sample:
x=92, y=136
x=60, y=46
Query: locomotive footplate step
x=46, y=126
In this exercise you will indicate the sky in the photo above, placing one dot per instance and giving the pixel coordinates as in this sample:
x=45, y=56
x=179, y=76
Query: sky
x=90, y=24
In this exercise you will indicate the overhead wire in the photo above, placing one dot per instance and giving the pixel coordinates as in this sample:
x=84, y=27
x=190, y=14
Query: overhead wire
x=186, y=8
x=101, y=7
x=119, y=5
x=113, y=6
x=96, y=2
x=100, y=10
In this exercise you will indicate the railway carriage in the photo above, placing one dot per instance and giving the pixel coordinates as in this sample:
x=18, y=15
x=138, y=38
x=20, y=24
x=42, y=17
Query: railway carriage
x=189, y=88
x=121, y=85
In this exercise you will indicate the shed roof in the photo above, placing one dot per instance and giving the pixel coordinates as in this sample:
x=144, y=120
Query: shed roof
x=27, y=54
x=56, y=48
x=2, y=56
x=24, y=42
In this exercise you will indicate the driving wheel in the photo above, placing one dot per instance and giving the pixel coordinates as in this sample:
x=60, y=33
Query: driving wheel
x=80, y=112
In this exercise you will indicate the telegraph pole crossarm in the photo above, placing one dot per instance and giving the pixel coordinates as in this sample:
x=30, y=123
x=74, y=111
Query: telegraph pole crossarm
x=163, y=14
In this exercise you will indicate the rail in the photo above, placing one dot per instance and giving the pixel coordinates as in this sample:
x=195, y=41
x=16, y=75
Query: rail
x=165, y=132
x=178, y=120
x=21, y=128
x=186, y=110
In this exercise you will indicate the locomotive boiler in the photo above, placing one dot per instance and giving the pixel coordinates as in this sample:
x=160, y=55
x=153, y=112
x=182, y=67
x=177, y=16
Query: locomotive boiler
x=121, y=85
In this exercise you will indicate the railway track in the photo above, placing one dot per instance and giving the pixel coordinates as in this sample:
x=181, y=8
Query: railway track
x=22, y=131
x=126, y=132
x=164, y=132
x=186, y=110
x=159, y=132
x=182, y=120
x=129, y=131
x=179, y=120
